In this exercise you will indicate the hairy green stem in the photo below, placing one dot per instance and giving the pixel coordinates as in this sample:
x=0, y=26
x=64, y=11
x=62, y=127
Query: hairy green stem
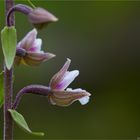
x=8, y=86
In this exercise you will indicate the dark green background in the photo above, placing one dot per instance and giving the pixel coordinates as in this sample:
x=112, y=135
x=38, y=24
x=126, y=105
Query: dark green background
x=102, y=38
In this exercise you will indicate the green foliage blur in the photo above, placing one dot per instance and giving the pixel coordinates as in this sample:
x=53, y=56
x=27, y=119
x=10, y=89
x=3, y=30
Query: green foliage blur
x=102, y=38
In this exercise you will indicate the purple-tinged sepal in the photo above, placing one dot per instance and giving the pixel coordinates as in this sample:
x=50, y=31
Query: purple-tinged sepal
x=34, y=59
x=59, y=76
x=40, y=17
x=29, y=50
x=66, y=98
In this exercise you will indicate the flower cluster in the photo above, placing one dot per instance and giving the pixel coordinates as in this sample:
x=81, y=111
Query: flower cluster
x=29, y=52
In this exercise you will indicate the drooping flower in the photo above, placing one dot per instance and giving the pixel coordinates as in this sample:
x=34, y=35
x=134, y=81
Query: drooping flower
x=39, y=17
x=60, y=94
x=29, y=50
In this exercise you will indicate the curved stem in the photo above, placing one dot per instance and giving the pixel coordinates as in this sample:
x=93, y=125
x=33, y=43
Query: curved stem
x=31, y=89
x=20, y=8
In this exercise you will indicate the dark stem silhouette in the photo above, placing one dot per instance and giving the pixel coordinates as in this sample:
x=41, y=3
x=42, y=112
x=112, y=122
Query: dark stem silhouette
x=8, y=85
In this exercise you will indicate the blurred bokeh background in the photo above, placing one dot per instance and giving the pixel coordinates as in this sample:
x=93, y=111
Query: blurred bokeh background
x=102, y=38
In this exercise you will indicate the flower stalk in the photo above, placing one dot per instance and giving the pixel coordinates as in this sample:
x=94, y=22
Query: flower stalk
x=31, y=89
x=8, y=84
x=20, y=8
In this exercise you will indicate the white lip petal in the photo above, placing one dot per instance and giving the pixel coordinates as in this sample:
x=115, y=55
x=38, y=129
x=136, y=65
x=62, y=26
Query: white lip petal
x=84, y=100
x=36, y=46
x=68, y=78
x=75, y=90
x=69, y=89
x=38, y=43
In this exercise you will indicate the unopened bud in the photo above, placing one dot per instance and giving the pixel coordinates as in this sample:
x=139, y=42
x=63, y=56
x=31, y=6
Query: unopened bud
x=40, y=17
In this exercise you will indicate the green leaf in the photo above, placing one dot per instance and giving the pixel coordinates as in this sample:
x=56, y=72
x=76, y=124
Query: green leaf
x=20, y=121
x=1, y=88
x=9, y=42
x=31, y=4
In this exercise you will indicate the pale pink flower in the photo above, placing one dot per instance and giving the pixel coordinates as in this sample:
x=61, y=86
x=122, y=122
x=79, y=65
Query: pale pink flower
x=29, y=50
x=60, y=94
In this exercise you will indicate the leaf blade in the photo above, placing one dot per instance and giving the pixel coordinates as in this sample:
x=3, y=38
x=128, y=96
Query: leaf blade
x=9, y=42
x=20, y=121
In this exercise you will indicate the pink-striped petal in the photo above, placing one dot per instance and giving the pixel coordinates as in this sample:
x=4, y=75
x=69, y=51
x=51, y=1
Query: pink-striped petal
x=67, y=80
x=84, y=100
x=66, y=98
x=34, y=59
x=40, y=15
x=58, y=77
x=28, y=40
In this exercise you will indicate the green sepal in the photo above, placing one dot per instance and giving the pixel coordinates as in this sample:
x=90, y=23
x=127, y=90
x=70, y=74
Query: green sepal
x=9, y=42
x=20, y=121
x=1, y=88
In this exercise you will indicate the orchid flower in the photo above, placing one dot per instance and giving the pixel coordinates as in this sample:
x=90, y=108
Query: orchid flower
x=29, y=50
x=60, y=94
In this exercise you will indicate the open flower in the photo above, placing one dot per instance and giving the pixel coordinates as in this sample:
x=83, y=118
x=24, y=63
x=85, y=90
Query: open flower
x=60, y=81
x=29, y=50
